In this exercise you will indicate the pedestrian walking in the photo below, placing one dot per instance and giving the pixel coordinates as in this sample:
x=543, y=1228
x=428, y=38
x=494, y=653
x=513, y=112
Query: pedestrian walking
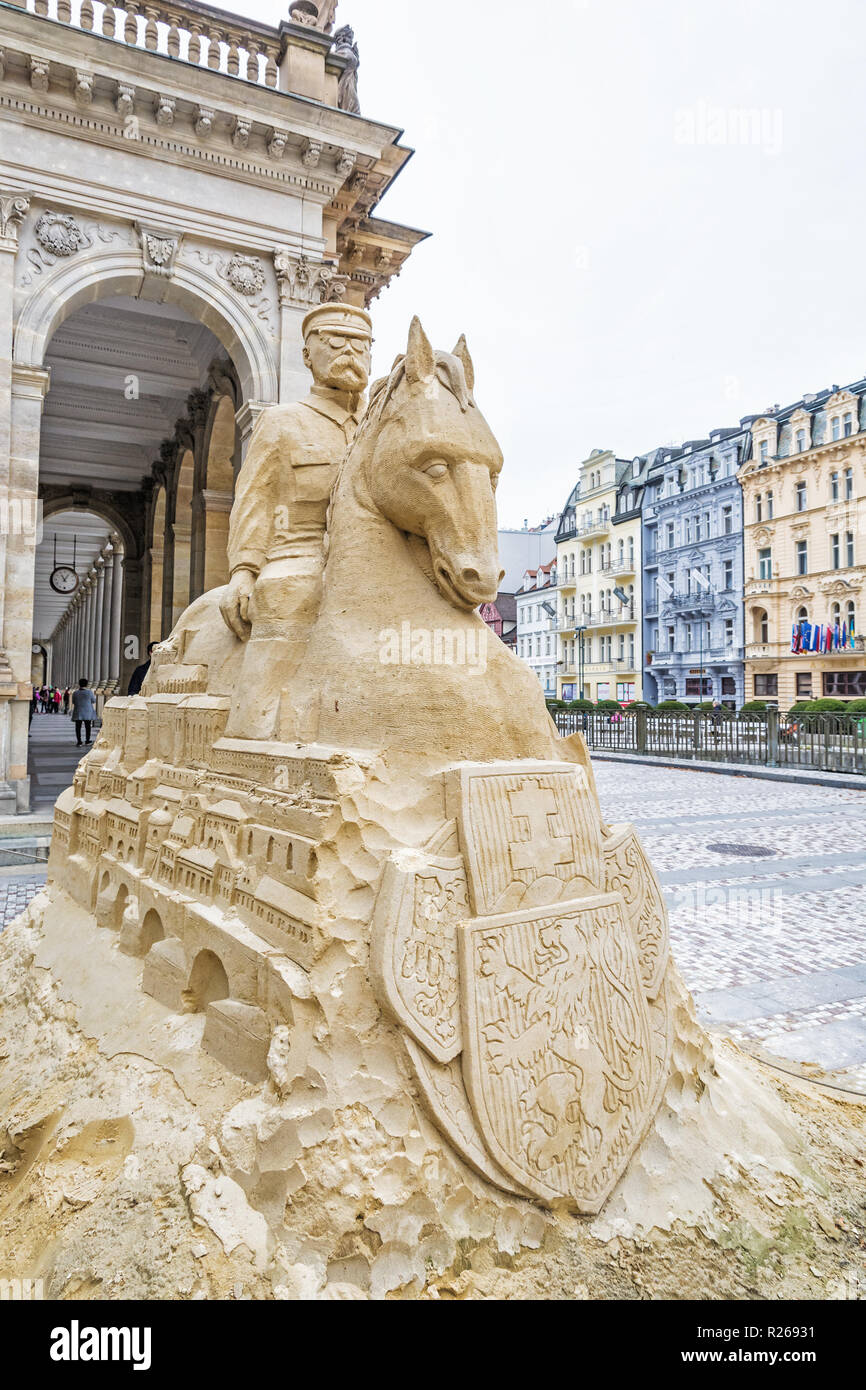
x=67, y=696
x=57, y=698
x=83, y=711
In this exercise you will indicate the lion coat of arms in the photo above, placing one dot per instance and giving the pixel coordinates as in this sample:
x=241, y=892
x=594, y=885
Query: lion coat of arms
x=527, y=972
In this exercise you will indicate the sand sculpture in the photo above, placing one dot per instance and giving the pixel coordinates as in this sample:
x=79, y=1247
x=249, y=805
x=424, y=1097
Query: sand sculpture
x=338, y=835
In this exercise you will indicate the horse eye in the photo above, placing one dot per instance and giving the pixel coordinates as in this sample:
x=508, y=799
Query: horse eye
x=437, y=469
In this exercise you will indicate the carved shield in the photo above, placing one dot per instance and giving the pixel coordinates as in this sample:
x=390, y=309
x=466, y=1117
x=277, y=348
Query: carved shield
x=628, y=871
x=413, y=948
x=561, y=1060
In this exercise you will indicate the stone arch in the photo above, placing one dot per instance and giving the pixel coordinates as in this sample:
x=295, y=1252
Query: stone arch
x=123, y=530
x=152, y=931
x=208, y=982
x=119, y=907
x=109, y=272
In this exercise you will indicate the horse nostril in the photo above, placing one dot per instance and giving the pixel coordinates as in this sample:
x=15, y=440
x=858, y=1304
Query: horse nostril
x=470, y=576
x=501, y=575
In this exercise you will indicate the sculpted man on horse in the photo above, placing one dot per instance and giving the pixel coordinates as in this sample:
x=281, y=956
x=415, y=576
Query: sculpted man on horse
x=277, y=524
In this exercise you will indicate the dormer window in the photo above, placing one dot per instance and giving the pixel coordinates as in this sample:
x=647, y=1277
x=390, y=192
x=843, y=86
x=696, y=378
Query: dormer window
x=764, y=451
x=848, y=425
x=835, y=428
x=801, y=441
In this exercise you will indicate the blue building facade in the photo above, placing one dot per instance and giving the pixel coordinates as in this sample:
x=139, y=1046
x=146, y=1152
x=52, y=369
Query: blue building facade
x=692, y=544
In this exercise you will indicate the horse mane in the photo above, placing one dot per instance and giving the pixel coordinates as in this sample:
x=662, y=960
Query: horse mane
x=384, y=394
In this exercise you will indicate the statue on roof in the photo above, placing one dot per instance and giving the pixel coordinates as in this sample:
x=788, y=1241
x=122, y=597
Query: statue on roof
x=347, y=91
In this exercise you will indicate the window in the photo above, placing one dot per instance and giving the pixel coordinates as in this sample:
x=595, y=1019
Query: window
x=834, y=487
x=848, y=425
x=835, y=557
x=697, y=528
x=769, y=506
x=763, y=624
x=849, y=484
x=625, y=692
x=845, y=684
x=759, y=507
x=688, y=637
x=729, y=632
x=766, y=686
x=728, y=571
x=801, y=496
x=729, y=685
x=687, y=531
x=765, y=564
x=670, y=535
x=802, y=557
x=835, y=427
x=801, y=441
x=804, y=685
x=727, y=520
x=852, y=616
x=765, y=450
x=849, y=549
x=693, y=687
x=671, y=639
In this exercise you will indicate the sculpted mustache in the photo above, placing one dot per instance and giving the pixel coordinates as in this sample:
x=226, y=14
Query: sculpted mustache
x=348, y=362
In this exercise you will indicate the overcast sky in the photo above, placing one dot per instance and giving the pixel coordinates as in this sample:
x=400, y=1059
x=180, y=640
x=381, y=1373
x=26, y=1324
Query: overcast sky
x=632, y=263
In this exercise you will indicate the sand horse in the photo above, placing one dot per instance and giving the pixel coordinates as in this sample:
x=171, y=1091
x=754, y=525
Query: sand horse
x=399, y=658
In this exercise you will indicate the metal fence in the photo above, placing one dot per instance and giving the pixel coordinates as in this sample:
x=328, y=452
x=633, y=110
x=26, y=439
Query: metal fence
x=825, y=742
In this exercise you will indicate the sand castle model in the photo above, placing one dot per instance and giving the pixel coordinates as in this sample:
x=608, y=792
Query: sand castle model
x=339, y=833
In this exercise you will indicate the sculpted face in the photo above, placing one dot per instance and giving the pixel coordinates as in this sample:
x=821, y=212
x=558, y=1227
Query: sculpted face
x=434, y=474
x=339, y=360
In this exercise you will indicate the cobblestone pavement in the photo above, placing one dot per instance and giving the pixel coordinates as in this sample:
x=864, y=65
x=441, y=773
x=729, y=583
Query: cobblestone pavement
x=16, y=890
x=773, y=947
x=766, y=886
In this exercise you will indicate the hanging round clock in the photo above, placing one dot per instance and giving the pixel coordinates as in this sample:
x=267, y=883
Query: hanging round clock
x=64, y=578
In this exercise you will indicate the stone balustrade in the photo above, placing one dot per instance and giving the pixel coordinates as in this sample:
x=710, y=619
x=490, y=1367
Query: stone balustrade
x=190, y=33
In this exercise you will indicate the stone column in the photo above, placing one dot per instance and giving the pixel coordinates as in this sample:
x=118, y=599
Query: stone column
x=216, y=509
x=99, y=627
x=114, y=632
x=15, y=687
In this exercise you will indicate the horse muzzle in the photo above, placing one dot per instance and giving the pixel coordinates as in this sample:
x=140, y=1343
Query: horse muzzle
x=468, y=585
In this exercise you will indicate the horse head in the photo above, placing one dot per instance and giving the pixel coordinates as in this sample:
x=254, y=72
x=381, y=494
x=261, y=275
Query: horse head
x=431, y=464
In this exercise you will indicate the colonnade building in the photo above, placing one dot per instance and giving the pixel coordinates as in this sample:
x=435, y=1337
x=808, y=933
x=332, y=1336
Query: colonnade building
x=178, y=186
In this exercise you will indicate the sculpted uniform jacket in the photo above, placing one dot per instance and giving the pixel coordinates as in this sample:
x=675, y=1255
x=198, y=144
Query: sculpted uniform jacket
x=284, y=487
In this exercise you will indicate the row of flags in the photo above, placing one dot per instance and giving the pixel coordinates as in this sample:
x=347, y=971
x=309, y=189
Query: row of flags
x=821, y=637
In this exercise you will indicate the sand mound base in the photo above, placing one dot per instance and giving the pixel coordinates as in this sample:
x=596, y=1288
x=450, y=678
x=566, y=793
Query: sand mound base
x=133, y=1165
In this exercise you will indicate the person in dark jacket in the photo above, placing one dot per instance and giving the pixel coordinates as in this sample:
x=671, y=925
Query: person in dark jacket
x=83, y=711
x=139, y=675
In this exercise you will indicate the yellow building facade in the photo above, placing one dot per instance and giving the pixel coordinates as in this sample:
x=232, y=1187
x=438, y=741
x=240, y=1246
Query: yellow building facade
x=599, y=568
x=804, y=493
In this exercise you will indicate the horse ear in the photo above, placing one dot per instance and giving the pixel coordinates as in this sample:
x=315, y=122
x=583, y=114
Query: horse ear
x=462, y=351
x=420, y=362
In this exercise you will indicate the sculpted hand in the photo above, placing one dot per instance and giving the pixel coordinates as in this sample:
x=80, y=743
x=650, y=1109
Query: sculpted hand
x=235, y=603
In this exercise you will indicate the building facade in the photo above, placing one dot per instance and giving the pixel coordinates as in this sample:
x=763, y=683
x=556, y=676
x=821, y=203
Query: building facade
x=804, y=487
x=537, y=641
x=598, y=569
x=178, y=187
x=693, y=570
